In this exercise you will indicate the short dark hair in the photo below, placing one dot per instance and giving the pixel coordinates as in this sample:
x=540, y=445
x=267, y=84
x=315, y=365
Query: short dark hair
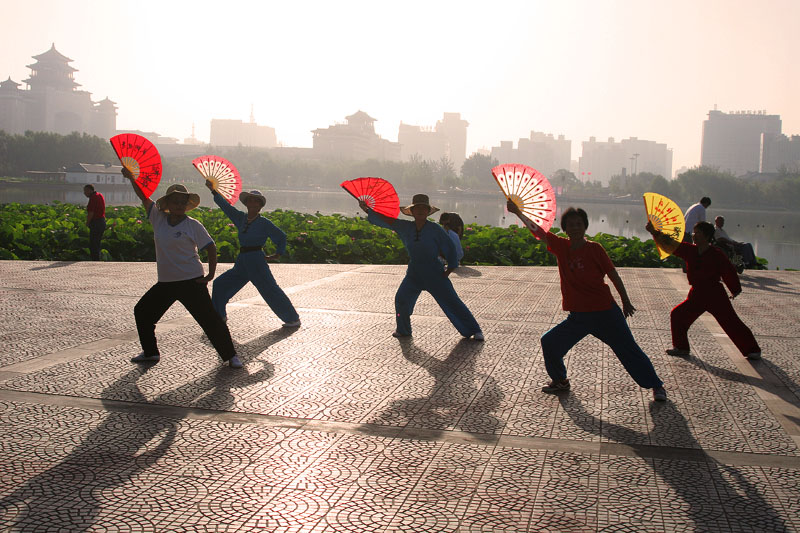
x=575, y=212
x=707, y=228
x=89, y=186
x=705, y=200
x=444, y=218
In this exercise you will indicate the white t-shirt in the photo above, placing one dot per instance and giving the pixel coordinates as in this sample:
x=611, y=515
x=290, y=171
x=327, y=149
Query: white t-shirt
x=696, y=213
x=176, y=246
x=720, y=233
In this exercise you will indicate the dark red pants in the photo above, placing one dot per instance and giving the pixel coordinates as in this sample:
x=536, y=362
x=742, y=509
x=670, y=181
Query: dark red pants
x=715, y=300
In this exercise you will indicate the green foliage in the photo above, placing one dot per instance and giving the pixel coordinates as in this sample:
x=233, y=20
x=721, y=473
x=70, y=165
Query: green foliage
x=50, y=151
x=59, y=233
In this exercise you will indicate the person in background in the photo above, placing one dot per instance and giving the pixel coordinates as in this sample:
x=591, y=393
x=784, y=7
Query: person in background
x=425, y=242
x=178, y=239
x=251, y=264
x=450, y=223
x=582, y=266
x=95, y=219
x=706, y=265
x=744, y=249
x=696, y=213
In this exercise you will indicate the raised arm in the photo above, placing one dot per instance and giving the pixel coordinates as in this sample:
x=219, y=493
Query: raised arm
x=146, y=202
x=388, y=220
x=662, y=238
x=530, y=224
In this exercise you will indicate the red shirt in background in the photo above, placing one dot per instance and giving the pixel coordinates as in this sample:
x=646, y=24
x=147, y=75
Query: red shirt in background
x=582, y=272
x=706, y=270
x=97, y=205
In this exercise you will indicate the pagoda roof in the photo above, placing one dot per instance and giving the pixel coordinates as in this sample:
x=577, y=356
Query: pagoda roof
x=360, y=116
x=9, y=84
x=106, y=101
x=53, y=55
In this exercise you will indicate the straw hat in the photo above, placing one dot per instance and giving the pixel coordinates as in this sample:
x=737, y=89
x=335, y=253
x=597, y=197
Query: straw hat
x=419, y=199
x=253, y=194
x=193, y=199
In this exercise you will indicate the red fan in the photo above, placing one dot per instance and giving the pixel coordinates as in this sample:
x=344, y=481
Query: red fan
x=530, y=190
x=222, y=174
x=138, y=155
x=377, y=192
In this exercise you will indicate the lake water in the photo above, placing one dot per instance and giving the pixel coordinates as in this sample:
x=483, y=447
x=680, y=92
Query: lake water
x=775, y=234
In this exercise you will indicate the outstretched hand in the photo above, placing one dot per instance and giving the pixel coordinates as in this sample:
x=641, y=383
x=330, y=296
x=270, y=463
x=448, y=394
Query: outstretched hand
x=650, y=228
x=363, y=205
x=127, y=173
x=210, y=185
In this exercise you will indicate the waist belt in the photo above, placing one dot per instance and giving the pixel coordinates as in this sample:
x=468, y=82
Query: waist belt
x=245, y=249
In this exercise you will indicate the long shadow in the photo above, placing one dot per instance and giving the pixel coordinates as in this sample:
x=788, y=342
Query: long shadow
x=760, y=382
x=766, y=284
x=453, y=395
x=70, y=494
x=738, y=498
x=57, y=264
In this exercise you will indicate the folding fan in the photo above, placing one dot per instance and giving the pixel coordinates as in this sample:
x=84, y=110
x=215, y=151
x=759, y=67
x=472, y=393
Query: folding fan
x=138, y=155
x=378, y=193
x=529, y=190
x=222, y=175
x=667, y=218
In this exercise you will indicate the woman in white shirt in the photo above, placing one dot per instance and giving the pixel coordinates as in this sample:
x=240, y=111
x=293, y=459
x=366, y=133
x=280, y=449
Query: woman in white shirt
x=181, y=277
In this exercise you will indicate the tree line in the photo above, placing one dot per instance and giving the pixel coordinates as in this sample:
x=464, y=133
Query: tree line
x=258, y=166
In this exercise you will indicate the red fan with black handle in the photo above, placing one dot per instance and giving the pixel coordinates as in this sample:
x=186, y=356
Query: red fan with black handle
x=378, y=193
x=141, y=158
x=222, y=174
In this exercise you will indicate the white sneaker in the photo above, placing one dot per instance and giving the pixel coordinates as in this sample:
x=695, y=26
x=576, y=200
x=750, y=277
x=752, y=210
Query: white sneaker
x=235, y=362
x=142, y=358
x=293, y=324
x=478, y=336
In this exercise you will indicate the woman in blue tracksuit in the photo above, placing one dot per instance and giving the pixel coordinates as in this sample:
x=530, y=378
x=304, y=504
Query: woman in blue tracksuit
x=251, y=265
x=425, y=241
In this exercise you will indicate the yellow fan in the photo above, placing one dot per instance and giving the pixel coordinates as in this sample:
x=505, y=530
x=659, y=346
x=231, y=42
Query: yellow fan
x=667, y=218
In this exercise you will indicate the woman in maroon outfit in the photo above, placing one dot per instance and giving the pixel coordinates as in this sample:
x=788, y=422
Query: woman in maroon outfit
x=706, y=265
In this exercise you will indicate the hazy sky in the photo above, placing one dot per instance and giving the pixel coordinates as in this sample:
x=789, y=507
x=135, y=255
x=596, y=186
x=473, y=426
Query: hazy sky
x=619, y=69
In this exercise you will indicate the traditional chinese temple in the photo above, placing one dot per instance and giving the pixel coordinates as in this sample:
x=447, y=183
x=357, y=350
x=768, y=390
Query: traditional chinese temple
x=53, y=102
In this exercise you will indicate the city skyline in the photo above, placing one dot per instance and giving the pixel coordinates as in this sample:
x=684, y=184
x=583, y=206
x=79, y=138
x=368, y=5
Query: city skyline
x=577, y=69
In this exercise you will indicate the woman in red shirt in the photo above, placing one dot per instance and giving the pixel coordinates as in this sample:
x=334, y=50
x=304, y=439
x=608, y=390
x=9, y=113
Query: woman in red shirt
x=582, y=266
x=706, y=265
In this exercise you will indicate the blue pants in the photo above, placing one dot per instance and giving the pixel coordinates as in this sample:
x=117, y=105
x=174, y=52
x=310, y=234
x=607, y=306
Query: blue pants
x=441, y=288
x=608, y=326
x=251, y=267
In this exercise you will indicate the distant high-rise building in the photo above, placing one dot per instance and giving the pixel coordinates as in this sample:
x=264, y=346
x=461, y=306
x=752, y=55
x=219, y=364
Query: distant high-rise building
x=355, y=140
x=226, y=132
x=542, y=151
x=732, y=141
x=448, y=139
x=52, y=103
x=602, y=160
x=779, y=152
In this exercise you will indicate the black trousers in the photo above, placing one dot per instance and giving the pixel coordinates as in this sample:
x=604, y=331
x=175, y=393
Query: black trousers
x=96, y=228
x=194, y=297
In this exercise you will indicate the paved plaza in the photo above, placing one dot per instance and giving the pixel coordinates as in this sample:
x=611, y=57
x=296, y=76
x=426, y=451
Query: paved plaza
x=338, y=426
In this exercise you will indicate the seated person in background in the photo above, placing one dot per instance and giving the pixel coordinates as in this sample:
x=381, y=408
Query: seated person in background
x=744, y=249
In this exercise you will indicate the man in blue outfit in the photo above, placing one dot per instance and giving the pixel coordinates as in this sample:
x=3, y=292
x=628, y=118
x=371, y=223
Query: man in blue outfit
x=425, y=241
x=251, y=264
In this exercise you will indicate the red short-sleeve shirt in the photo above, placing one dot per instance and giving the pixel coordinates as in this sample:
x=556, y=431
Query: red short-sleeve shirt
x=582, y=271
x=97, y=205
